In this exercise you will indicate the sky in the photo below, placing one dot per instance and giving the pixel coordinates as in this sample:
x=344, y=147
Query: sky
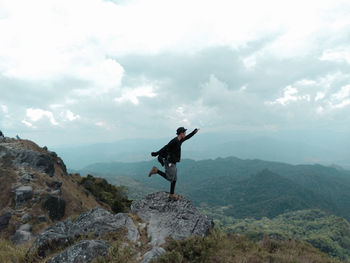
x=84, y=71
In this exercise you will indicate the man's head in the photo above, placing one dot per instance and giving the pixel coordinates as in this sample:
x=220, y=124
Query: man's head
x=181, y=131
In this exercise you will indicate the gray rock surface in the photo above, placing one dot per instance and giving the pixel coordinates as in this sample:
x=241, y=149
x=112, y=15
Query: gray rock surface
x=23, y=194
x=83, y=252
x=21, y=236
x=25, y=227
x=37, y=160
x=26, y=218
x=176, y=219
x=55, y=206
x=26, y=178
x=154, y=253
x=4, y=220
x=97, y=221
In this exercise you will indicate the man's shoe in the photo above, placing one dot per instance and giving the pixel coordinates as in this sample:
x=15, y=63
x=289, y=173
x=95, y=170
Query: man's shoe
x=174, y=197
x=154, y=170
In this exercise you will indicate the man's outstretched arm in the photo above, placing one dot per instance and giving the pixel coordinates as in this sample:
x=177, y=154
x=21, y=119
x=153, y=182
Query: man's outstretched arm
x=191, y=134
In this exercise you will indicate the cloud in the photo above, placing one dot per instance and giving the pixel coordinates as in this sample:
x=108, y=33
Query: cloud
x=70, y=116
x=341, y=54
x=133, y=95
x=289, y=95
x=4, y=109
x=141, y=64
x=35, y=115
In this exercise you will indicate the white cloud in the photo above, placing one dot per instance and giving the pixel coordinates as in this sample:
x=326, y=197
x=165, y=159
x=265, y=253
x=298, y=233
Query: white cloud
x=341, y=54
x=105, y=125
x=4, y=108
x=133, y=95
x=289, y=95
x=28, y=124
x=70, y=116
x=37, y=114
x=319, y=96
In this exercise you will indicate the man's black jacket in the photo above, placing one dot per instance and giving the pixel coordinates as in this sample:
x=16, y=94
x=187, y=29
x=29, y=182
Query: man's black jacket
x=172, y=151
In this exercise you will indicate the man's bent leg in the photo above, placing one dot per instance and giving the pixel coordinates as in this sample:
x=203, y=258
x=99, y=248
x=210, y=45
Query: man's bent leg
x=161, y=174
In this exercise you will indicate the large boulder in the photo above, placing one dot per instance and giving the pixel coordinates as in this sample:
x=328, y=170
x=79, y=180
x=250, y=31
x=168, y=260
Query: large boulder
x=177, y=219
x=23, y=194
x=41, y=161
x=55, y=205
x=97, y=221
x=83, y=252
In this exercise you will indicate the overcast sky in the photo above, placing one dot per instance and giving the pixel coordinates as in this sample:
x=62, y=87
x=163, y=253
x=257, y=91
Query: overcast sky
x=81, y=71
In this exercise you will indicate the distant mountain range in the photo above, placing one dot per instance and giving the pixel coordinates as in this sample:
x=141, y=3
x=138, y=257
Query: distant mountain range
x=294, y=148
x=246, y=188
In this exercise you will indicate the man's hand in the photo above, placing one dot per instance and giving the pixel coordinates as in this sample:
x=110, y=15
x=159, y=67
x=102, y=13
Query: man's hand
x=196, y=130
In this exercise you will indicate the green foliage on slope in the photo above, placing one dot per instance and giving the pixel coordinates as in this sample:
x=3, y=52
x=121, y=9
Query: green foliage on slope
x=233, y=182
x=115, y=196
x=328, y=233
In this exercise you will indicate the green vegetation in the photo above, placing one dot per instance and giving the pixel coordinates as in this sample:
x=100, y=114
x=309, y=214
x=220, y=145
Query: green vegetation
x=328, y=233
x=249, y=188
x=115, y=196
x=221, y=247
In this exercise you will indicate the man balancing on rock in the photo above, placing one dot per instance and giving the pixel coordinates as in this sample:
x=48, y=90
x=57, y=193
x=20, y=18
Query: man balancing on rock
x=168, y=156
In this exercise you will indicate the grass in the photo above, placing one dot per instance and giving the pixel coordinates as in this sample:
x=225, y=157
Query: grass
x=221, y=247
x=10, y=253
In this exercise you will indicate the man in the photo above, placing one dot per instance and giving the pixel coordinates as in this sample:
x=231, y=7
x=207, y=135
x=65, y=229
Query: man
x=169, y=155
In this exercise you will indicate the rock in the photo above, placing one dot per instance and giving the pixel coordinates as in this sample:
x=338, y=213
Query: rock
x=97, y=221
x=176, y=219
x=54, y=184
x=1, y=134
x=26, y=218
x=23, y=194
x=41, y=219
x=55, y=206
x=56, y=192
x=83, y=252
x=154, y=253
x=26, y=178
x=37, y=160
x=45, y=148
x=25, y=227
x=21, y=236
x=4, y=220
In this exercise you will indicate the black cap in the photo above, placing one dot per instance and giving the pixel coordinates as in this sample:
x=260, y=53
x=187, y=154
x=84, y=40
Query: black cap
x=180, y=130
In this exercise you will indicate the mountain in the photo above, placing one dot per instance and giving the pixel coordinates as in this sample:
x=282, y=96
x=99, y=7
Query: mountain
x=295, y=147
x=239, y=185
x=50, y=215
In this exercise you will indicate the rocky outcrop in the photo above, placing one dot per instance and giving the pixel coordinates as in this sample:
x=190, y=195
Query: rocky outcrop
x=83, y=252
x=55, y=206
x=176, y=219
x=97, y=221
x=23, y=194
x=36, y=160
